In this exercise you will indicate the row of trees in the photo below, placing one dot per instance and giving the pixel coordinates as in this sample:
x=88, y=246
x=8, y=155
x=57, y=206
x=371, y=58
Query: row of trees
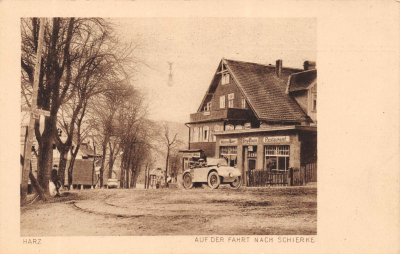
x=85, y=83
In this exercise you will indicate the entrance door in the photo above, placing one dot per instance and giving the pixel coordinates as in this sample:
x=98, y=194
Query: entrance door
x=252, y=164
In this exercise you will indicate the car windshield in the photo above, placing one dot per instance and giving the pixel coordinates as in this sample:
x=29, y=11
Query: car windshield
x=216, y=161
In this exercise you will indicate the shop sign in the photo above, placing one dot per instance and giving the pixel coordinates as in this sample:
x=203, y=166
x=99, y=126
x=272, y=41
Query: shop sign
x=191, y=155
x=228, y=141
x=276, y=139
x=250, y=140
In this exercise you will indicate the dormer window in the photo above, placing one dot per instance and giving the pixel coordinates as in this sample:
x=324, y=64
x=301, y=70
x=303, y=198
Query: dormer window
x=225, y=78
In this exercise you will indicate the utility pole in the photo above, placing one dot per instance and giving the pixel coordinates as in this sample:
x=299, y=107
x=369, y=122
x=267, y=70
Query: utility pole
x=34, y=113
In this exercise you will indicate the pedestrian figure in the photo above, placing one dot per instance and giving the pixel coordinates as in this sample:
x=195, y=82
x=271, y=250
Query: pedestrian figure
x=54, y=179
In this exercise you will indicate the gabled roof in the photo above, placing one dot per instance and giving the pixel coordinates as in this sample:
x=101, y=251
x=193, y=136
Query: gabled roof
x=301, y=81
x=265, y=92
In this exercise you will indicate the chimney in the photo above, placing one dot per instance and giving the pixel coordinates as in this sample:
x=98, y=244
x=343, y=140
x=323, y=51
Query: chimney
x=309, y=65
x=278, y=68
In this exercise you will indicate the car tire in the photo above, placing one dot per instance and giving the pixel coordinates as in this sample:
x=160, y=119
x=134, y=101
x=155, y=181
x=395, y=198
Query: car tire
x=187, y=181
x=213, y=180
x=237, y=183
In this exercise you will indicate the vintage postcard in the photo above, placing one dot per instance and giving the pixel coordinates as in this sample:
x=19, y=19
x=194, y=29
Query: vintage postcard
x=195, y=127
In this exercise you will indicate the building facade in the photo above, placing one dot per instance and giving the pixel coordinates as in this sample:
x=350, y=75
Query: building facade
x=257, y=117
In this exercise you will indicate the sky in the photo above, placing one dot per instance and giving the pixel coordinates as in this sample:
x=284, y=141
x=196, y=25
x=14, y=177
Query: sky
x=195, y=46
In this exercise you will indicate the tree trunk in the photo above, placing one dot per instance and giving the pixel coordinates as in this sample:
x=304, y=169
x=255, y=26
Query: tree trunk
x=34, y=182
x=110, y=168
x=145, y=178
x=148, y=178
x=62, y=165
x=166, y=167
x=103, y=159
x=45, y=161
x=36, y=185
x=121, y=183
x=94, y=163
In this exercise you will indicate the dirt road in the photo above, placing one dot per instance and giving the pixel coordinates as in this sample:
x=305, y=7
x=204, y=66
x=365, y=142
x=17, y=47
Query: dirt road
x=246, y=211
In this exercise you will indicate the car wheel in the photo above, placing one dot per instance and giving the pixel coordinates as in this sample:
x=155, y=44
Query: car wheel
x=213, y=180
x=236, y=183
x=187, y=181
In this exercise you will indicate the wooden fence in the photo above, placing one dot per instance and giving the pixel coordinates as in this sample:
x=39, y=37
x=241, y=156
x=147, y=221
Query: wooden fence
x=292, y=177
x=261, y=178
x=311, y=172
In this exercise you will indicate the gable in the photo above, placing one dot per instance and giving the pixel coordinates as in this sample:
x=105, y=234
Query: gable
x=220, y=88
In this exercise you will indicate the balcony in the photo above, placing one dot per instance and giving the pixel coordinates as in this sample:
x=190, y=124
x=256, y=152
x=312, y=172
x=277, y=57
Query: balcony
x=229, y=113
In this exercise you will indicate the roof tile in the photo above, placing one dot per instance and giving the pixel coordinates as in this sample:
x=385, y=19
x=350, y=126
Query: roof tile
x=266, y=92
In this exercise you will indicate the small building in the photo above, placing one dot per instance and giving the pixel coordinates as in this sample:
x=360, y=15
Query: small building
x=257, y=117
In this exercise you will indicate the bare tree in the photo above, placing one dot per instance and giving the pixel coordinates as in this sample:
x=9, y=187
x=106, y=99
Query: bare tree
x=101, y=69
x=170, y=142
x=175, y=165
x=81, y=58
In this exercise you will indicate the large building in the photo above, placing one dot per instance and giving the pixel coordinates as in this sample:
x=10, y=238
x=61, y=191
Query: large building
x=254, y=115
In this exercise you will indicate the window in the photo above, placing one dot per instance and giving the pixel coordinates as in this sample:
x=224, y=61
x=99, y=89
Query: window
x=195, y=134
x=222, y=101
x=200, y=134
x=207, y=107
x=277, y=158
x=229, y=153
x=225, y=78
x=206, y=133
x=231, y=96
x=243, y=103
x=314, y=105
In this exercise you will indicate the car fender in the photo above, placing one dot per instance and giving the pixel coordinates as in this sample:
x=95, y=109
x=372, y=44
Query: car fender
x=228, y=174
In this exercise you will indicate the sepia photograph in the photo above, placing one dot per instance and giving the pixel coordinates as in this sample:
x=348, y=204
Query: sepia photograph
x=168, y=126
x=133, y=126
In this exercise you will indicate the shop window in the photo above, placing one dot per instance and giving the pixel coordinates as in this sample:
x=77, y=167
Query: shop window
x=277, y=158
x=229, y=153
x=222, y=101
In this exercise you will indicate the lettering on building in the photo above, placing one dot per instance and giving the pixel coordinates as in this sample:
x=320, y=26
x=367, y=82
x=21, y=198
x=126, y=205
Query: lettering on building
x=228, y=141
x=191, y=155
x=250, y=140
x=276, y=139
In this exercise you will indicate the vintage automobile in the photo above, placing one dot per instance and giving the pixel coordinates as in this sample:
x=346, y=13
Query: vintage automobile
x=215, y=172
x=112, y=183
